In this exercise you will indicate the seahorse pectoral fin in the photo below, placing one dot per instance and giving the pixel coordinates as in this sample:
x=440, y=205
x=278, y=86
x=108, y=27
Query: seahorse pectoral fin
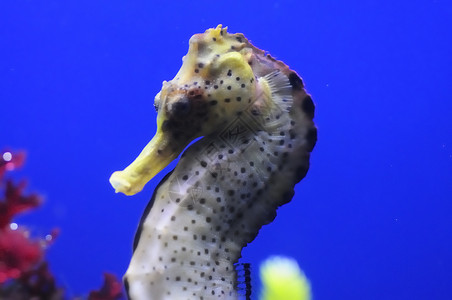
x=152, y=159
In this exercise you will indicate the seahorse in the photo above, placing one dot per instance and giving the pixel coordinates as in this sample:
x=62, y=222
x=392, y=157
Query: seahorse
x=254, y=123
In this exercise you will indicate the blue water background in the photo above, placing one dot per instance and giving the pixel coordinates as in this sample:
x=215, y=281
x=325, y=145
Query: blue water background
x=372, y=220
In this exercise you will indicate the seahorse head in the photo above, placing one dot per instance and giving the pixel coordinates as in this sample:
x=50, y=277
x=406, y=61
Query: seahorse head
x=215, y=84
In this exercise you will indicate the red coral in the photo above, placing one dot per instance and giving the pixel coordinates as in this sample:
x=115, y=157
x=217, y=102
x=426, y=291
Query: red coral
x=18, y=254
x=23, y=272
x=14, y=201
x=111, y=290
x=10, y=161
x=40, y=283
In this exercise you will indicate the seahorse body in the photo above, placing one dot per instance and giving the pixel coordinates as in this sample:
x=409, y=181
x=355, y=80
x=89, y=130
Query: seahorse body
x=255, y=118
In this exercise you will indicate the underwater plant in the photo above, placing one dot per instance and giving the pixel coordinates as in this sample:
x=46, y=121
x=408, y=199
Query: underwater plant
x=256, y=120
x=24, y=272
x=282, y=279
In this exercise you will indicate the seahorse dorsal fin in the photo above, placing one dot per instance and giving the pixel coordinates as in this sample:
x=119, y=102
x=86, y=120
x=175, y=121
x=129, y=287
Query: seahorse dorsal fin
x=281, y=90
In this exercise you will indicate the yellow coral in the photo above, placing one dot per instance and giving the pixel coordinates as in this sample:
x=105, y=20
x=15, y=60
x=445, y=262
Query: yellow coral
x=283, y=279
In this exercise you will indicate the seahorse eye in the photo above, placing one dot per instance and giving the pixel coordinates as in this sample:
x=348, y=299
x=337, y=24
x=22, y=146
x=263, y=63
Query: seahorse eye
x=181, y=108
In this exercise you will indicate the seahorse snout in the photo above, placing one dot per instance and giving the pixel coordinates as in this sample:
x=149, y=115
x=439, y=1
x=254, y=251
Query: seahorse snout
x=157, y=154
x=182, y=116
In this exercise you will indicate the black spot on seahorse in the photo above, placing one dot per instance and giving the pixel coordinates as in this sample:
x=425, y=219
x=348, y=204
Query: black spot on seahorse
x=295, y=81
x=308, y=106
x=146, y=212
